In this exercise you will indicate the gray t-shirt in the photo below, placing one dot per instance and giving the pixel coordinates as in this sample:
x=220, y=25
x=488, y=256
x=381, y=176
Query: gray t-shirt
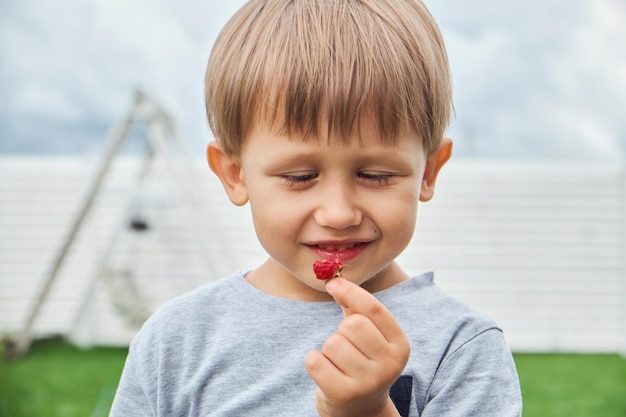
x=228, y=349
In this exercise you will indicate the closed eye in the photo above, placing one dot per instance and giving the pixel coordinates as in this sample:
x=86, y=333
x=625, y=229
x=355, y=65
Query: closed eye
x=298, y=180
x=376, y=179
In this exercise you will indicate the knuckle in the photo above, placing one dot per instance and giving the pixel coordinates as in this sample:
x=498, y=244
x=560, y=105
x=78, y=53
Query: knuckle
x=404, y=349
x=333, y=343
x=374, y=309
x=312, y=361
x=401, y=352
x=354, y=323
x=395, y=369
x=399, y=357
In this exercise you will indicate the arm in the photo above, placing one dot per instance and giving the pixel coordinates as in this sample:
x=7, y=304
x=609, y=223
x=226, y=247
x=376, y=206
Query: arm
x=359, y=363
x=130, y=398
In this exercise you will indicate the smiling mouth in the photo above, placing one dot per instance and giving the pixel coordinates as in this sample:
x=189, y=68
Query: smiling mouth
x=339, y=247
x=345, y=251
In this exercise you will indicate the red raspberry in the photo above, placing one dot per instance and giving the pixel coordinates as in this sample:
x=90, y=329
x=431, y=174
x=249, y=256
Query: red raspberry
x=326, y=269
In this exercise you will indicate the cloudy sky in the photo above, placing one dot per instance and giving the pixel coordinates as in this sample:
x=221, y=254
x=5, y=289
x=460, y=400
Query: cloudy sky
x=532, y=79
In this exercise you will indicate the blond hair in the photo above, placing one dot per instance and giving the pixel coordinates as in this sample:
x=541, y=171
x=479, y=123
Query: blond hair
x=323, y=67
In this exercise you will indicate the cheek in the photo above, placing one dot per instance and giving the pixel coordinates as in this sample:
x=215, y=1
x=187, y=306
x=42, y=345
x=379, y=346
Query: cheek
x=401, y=216
x=272, y=222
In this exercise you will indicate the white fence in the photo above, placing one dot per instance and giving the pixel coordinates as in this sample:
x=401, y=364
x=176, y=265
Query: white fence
x=538, y=246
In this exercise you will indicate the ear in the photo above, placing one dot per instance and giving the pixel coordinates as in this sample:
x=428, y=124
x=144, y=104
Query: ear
x=434, y=162
x=228, y=169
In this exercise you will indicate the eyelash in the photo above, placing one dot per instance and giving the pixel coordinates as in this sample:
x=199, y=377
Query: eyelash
x=298, y=180
x=302, y=180
x=377, y=179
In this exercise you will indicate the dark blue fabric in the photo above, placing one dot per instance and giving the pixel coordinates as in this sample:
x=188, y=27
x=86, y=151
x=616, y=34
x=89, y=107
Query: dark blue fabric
x=400, y=394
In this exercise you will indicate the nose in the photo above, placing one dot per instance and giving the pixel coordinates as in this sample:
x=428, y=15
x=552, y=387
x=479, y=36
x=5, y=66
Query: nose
x=338, y=208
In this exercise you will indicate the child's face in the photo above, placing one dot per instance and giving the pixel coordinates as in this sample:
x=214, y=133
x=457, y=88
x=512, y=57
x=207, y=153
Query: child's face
x=309, y=200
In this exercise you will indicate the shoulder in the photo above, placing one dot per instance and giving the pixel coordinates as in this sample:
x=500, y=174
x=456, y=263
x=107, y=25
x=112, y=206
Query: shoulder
x=425, y=310
x=459, y=355
x=420, y=295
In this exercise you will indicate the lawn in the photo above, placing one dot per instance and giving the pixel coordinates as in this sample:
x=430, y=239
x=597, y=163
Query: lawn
x=557, y=385
x=59, y=380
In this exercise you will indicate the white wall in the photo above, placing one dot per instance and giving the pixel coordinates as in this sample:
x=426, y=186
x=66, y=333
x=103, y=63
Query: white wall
x=539, y=247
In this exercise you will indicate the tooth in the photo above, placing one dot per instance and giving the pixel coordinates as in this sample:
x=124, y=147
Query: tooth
x=337, y=247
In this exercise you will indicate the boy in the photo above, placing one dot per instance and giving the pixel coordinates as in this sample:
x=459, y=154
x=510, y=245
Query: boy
x=329, y=117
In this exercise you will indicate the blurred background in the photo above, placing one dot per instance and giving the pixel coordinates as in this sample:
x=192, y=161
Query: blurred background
x=107, y=208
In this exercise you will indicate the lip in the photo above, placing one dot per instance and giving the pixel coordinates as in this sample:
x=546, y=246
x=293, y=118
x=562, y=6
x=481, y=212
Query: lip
x=344, y=255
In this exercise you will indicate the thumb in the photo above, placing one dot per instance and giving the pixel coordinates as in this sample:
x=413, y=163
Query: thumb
x=333, y=288
x=347, y=294
x=353, y=299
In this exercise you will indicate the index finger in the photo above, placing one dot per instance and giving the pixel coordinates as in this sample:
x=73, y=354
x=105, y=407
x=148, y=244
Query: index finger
x=355, y=300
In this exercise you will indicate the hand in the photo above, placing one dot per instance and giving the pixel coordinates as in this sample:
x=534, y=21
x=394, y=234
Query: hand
x=359, y=363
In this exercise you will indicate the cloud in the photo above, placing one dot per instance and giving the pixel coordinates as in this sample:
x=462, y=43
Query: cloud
x=541, y=78
x=538, y=78
x=68, y=77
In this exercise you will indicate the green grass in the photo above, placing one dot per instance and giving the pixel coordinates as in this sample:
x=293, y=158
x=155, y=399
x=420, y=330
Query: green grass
x=59, y=380
x=556, y=385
